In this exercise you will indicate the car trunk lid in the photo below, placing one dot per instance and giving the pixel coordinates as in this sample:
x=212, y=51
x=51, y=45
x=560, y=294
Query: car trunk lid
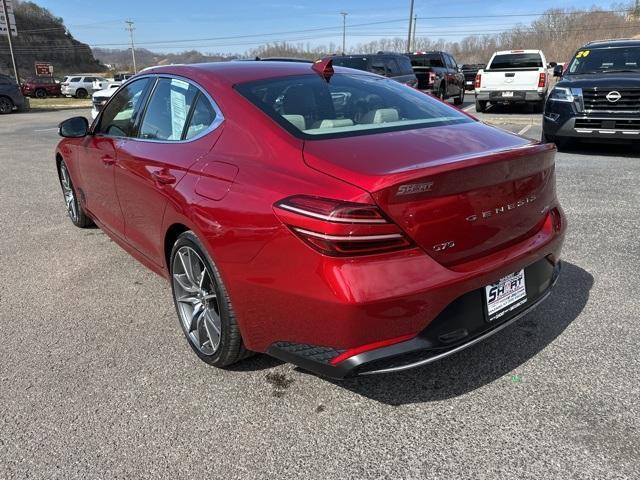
x=459, y=192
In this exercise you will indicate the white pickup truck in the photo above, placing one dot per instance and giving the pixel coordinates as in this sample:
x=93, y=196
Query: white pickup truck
x=513, y=76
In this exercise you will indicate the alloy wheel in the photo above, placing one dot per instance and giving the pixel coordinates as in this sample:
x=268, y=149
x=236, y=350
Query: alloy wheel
x=69, y=195
x=195, y=295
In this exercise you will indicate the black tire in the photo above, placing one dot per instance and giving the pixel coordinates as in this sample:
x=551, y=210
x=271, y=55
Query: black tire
x=6, y=105
x=81, y=93
x=459, y=100
x=538, y=107
x=75, y=211
x=481, y=105
x=231, y=348
x=40, y=93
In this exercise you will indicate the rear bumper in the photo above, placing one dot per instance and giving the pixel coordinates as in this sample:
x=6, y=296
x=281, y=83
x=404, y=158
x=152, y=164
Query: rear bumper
x=395, y=312
x=518, y=96
x=459, y=326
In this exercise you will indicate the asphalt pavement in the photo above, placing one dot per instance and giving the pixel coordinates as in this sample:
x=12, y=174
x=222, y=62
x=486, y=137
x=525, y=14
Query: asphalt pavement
x=98, y=382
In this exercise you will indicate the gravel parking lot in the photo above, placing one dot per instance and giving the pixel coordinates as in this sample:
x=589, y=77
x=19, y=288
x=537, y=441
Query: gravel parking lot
x=97, y=380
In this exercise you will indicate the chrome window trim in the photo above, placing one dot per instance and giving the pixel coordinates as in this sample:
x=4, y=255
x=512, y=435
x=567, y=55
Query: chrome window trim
x=154, y=77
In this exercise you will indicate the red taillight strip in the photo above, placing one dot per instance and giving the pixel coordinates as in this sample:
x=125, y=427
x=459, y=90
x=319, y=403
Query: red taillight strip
x=349, y=238
x=327, y=217
x=369, y=346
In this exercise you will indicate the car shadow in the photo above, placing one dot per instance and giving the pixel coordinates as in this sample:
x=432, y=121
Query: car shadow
x=489, y=360
x=510, y=108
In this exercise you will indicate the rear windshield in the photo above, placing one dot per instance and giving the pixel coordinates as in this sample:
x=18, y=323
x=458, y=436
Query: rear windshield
x=512, y=61
x=359, y=63
x=602, y=60
x=427, y=60
x=310, y=107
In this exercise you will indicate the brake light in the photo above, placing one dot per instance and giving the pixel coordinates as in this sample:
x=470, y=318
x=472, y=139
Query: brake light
x=338, y=228
x=542, y=80
x=478, y=81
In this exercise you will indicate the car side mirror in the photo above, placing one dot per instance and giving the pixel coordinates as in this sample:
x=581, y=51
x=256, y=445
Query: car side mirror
x=557, y=71
x=75, y=127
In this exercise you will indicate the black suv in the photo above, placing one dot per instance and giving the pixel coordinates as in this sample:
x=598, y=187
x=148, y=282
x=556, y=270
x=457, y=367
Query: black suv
x=11, y=95
x=598, y=96
x=438, y=73
x=392, y=65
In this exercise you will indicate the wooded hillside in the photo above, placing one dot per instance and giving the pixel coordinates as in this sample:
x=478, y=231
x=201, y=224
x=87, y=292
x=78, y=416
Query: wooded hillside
x=43, y=37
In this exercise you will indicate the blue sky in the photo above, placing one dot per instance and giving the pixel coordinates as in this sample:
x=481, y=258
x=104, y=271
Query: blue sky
x=234, y=27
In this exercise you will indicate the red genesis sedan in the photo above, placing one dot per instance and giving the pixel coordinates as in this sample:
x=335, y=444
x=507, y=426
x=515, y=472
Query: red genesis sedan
x=334, y=219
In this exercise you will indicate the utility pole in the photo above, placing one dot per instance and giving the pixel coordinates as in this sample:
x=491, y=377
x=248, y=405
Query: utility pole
x=410, y=22
x=413, y=43
x=344, y=31
x=131, y=28
x=13, y=57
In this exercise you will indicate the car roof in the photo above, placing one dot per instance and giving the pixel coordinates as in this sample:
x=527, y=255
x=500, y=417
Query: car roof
x=617, y=42
x=509, y=52
x=231, y=73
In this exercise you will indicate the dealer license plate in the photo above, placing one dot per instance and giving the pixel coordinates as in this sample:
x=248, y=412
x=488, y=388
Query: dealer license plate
x=505, y=295
x=469, y=82
x=507, y=94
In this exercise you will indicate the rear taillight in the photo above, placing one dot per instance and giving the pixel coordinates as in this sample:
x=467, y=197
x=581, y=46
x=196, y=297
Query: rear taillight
x=478, y=80
x=431, y=78
x=338, y=228
x=542, y=80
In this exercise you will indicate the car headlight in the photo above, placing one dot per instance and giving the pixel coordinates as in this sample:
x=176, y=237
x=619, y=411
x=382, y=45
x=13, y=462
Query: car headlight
x=568, y=95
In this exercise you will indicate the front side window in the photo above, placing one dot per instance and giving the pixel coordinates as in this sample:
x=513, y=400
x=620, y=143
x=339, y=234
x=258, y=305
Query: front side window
x=168, y=110
x=310, y=107
x=119, y=116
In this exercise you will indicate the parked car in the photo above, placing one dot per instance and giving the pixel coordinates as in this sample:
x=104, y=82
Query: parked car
x=11, y=97
x=40, y=87
x=438, y=74
x=100, y=98
x=598, y=95
x=346, y=223
x=391, y=65
x=80, y=86
x=121, y=77
x=513, y=76
x=470, y=70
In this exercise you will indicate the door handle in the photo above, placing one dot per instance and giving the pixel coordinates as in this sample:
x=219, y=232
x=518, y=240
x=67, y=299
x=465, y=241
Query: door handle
x=163, y=178
x=108, y=160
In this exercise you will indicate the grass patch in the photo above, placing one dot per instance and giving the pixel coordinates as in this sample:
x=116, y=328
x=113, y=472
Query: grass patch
x=59, y=103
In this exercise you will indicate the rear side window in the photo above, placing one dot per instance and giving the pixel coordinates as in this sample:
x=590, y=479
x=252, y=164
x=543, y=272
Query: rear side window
x=201, y=119
x=392, y=66
x=310, y=107
x=119, y=116
x=168, y=109
x=350, y=62
x=405, y=65
x=75, y=79
x=378, y=66
x=512, y=61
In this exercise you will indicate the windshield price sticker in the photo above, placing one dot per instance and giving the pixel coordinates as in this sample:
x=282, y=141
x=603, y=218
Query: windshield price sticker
x=583, y=53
